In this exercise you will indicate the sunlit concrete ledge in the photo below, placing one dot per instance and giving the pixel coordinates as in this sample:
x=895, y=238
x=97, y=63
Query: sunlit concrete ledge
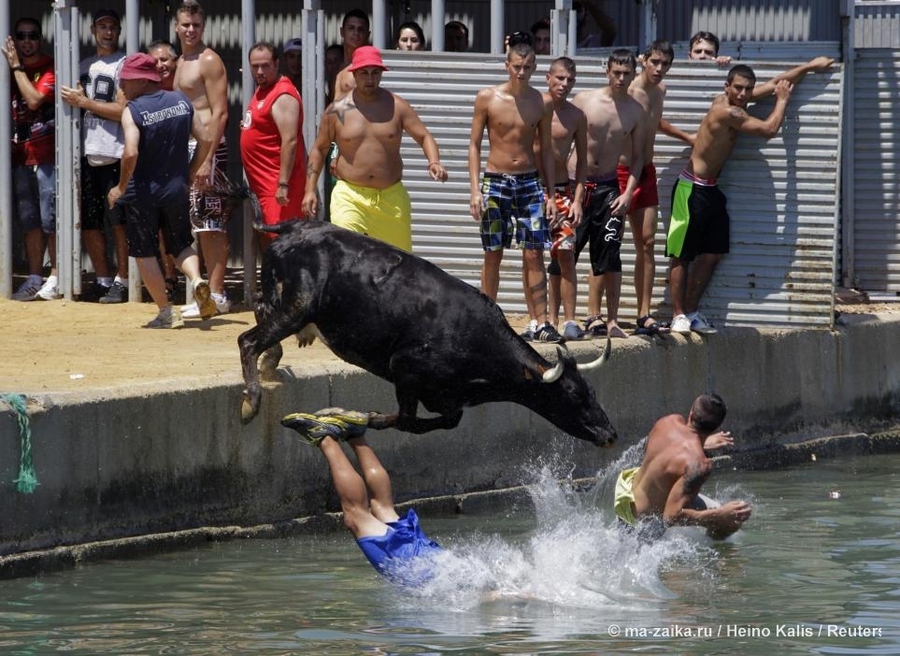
x=165, y=458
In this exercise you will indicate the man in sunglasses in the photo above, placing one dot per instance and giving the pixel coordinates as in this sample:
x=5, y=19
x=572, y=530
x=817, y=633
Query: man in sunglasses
x=33, y=155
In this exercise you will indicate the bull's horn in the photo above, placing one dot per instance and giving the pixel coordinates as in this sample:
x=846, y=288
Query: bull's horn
x=596, y=364
x=552, y=375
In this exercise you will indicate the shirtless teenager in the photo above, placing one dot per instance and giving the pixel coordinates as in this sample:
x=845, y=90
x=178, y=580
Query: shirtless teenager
x=201, y=76
x=699, y=228
x=509, y=199
x=354, y=34
x=649, y=90
x=666, y=487
x=367, y=126
x=616, y=128
x=568, y=127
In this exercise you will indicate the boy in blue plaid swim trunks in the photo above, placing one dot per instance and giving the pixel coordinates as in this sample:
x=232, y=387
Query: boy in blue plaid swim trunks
x=509, y=200
x=394, y=545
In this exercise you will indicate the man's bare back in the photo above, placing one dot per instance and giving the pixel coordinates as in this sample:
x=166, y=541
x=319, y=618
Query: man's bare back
x=675, y=467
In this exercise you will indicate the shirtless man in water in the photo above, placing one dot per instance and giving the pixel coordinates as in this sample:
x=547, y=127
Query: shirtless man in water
x=200, y=75
x=367, y=126
x=666, y=487
x=699, y=229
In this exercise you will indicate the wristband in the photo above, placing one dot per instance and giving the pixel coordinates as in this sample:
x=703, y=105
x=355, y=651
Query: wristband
x=17, y=68
x=283, y=184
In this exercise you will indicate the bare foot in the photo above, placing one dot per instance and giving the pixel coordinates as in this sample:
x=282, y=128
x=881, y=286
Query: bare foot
x=615, y=332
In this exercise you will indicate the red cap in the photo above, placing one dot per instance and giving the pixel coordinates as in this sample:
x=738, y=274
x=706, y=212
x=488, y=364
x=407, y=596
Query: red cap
x=139, y=66
x=366, y=56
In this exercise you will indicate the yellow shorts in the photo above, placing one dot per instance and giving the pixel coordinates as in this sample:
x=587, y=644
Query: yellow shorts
x=384, y=214
x=624, y=503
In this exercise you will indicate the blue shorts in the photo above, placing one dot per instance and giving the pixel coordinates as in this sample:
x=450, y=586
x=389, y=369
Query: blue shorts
x=513, y=204
x=34, y=191
x=391, y=553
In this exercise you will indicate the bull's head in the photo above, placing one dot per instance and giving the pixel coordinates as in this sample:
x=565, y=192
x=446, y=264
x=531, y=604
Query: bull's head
x=571, y=403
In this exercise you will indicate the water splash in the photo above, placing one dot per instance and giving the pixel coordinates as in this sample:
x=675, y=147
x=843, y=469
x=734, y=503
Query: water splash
x=575, y=557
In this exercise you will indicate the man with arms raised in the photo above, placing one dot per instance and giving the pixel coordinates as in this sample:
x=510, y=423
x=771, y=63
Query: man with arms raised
x=201, y=77
x=568, y=126
x=699, y=229
x=665, y=489
x=616, y=129
x=509, y=199
x=367, y=126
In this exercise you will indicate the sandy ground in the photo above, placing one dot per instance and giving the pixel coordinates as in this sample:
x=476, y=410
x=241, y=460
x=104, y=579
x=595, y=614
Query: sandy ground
x=68, y=346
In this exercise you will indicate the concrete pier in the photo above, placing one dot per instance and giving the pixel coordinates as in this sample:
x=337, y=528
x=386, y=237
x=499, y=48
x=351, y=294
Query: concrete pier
x=170, y=455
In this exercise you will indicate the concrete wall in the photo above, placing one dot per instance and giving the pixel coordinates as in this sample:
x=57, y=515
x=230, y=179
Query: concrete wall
x=167, y=456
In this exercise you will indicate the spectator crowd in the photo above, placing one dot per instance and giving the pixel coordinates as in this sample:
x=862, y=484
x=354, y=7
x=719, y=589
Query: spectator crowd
x=560, y=175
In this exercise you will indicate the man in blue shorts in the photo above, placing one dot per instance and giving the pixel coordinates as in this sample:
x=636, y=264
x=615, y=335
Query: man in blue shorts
x=393, y=544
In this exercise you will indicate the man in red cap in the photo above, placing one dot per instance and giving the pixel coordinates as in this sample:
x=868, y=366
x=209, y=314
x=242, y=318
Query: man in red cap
x=157, y=125
x=272, y=147
x=369, y=197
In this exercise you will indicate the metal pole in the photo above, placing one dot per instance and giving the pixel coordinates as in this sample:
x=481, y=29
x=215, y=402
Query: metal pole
x=248, y=32
x=438, y=18
x=379, y=24
x=6, y=268
x=848, y=119
x=67, y=52
x=133, y=44
x=560, y=19
x=497, y=26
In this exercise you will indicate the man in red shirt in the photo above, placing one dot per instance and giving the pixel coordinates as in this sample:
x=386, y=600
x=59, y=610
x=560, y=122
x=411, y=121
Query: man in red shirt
x=272, y=148
x=33, y=155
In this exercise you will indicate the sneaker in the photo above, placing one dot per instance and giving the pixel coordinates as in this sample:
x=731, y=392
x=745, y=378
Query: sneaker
x=50, y=290
x=699, y=324
x=313, y=429
x=681, y=324
x=572, y=331
x=206, y=306
x=548, y=334
x=28, y=290
x=93, y=293
x=356, y=422
x=223, y=305
x=118, y=293
x=169, y=317
x=528, y=335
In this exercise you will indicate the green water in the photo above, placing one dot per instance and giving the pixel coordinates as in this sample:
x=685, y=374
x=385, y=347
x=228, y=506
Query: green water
x=816, y=570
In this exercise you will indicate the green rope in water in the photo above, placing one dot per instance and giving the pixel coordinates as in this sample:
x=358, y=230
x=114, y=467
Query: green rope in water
x=27, y=480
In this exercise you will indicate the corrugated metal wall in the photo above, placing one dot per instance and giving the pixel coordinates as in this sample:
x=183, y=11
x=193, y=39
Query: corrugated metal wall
x=781, y=193
x=876, y=169
x=877, y=25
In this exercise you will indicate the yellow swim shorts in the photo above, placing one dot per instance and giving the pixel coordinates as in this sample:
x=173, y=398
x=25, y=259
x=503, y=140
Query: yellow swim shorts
x=384, y=214
x=624, y=503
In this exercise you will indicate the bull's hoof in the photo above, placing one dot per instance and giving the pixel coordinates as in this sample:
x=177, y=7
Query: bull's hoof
x=249, y=410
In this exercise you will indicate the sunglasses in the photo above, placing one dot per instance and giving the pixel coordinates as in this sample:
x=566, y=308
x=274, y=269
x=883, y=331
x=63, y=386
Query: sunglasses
x=520, y=37
x=28, y=36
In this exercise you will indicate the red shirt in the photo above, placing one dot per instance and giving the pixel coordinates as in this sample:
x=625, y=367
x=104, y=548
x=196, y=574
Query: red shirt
x=33, y=139
x=261, y=153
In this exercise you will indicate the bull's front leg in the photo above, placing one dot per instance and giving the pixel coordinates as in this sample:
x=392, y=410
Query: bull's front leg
x=252, y=392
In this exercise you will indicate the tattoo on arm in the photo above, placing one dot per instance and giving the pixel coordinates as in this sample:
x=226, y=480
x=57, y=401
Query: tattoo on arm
x=694, y=479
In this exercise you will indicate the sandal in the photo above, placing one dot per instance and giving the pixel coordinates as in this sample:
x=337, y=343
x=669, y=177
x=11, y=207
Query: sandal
x=595, y=326
x=647, y=325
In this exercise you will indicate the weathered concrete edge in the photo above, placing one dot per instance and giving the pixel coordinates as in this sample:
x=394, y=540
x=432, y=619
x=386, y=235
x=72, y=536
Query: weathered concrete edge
x=172, y=455
x=60, y=558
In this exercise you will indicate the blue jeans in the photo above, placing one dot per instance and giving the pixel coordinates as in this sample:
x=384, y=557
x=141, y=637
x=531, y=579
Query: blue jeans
x=34, y=192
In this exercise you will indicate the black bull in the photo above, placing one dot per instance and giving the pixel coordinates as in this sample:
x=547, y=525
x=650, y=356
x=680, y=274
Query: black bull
x=438, y=339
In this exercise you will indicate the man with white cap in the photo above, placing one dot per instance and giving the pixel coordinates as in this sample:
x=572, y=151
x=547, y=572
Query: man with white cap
x=368, y=123
x=292, y=54
x=154, y=198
